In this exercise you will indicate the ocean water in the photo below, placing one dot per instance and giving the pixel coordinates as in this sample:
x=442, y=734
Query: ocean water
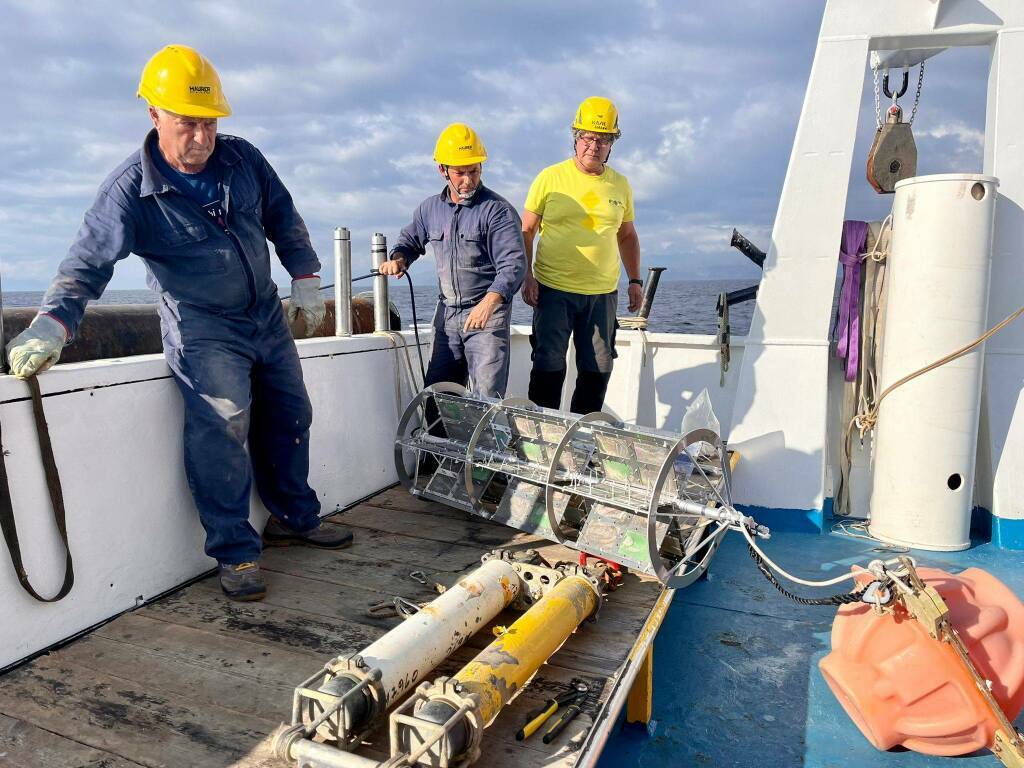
x=680, y=306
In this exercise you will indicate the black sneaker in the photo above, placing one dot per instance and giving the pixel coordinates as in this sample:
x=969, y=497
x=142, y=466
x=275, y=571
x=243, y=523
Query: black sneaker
x=242, y=582
x=324, y=536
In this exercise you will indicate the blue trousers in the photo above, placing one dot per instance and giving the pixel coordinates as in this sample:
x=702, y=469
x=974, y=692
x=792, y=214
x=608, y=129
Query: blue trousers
x=241, y=379
x=481, y=355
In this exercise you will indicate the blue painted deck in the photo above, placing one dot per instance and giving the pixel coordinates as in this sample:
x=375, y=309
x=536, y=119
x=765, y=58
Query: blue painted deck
x=736, y=666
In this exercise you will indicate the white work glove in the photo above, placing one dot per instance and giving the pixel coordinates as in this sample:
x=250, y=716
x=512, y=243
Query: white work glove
x=307, y=299
x=37, y=347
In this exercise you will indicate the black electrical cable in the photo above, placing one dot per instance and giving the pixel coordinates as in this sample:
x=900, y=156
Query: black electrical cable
x=412, y=301
x=842, y=599
x=416, y=328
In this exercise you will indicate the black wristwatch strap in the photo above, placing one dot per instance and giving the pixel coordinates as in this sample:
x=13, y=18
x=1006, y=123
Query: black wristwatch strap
x=636, y=281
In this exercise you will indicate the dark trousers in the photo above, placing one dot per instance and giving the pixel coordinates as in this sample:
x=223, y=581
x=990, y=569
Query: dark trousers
x=241, y=379
x=590, y=321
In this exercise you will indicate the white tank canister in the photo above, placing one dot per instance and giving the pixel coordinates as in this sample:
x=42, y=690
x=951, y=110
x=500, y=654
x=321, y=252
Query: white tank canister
x=927, y=431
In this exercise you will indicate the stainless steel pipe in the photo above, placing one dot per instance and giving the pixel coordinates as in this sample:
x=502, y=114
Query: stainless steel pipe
x=381, y=307
x=342, y=282
x=310, y=754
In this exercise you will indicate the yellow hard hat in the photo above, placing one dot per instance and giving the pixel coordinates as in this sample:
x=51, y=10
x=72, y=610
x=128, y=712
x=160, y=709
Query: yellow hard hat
x=458, y=144
x=182, y=80
x=597, y=114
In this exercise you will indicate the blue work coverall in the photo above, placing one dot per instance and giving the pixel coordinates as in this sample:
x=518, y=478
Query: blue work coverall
x=478, y=247
x=224, y=332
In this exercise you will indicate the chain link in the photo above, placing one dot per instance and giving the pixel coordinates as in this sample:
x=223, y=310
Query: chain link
x=917, y=96
x=878, y=108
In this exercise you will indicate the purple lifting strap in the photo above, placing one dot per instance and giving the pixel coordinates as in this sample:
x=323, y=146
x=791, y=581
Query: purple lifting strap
x=855, y=235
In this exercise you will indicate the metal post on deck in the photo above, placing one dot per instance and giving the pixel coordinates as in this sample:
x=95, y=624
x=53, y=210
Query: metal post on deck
x=651, y=288
x=342, y=282
x=381, y=307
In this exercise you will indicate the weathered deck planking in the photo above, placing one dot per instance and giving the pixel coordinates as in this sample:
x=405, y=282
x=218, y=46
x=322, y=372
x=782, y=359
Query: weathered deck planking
x=195, y=680
x=22, y=744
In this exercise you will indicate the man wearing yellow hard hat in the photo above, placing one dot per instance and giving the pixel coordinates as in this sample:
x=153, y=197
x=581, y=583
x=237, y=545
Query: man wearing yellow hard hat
x=476, y=238
x=583, y=211
x=198, y=207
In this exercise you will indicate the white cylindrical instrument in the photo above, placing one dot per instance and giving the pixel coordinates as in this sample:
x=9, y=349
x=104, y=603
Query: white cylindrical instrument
x=927, y=430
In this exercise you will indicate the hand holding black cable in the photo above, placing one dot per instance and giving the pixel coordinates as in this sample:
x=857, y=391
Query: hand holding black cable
x=412, y=301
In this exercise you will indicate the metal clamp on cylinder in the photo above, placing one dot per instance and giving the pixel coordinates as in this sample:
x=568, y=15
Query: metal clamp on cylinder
x=340, y=702
x=445, y=729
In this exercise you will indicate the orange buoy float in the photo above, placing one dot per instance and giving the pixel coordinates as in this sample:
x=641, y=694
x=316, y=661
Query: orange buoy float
x=904, y=688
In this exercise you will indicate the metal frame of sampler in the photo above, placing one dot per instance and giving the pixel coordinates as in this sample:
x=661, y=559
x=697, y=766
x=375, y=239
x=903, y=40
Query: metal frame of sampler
x=632, y=495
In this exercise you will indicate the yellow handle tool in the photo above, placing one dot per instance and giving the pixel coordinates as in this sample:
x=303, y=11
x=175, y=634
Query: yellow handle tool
x=537, y=720
x=560, y=723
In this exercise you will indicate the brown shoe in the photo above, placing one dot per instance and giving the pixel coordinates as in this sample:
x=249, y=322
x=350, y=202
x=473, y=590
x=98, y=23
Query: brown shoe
x=324, y=536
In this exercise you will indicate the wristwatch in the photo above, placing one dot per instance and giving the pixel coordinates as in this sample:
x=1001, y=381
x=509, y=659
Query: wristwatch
x=636, y=281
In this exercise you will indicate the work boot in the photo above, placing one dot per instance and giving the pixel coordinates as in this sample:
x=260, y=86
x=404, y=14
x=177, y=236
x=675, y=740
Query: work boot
x=324, y=536
x=242, y=582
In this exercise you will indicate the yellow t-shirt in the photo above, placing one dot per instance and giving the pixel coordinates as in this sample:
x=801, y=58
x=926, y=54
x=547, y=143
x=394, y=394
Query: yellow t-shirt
x=580, y=220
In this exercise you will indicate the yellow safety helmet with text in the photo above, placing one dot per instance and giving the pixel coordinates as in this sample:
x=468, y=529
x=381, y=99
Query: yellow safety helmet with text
x=459, y=144
x=183, y=81
x=598, y=115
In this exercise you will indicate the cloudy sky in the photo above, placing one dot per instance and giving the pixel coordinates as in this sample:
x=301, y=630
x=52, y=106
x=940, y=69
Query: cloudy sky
x=346, y=100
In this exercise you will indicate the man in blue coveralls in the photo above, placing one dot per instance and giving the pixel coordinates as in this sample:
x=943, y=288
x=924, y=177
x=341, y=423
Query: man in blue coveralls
x=199, y=207
x=476, y=237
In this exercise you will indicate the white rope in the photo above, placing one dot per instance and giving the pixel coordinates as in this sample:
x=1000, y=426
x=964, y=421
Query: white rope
x=796, y=579
x=394, y=338
x=858, y=529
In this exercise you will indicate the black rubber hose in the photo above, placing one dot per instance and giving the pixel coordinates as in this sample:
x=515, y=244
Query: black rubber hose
x=840, y=599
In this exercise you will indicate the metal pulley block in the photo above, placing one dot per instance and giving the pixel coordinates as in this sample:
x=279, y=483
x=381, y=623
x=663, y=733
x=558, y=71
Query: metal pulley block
x=893, y=153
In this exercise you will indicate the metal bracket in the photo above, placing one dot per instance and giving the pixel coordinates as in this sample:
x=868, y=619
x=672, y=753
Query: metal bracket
x=1008, y=749
x=537, y=579
x=315, y=711
x=466, y=709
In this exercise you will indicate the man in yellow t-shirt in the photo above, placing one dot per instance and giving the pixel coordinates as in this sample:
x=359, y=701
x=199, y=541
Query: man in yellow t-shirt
x=583, y=211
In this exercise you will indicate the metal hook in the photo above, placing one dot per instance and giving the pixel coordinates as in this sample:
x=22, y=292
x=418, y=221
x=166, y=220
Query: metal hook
x=903, y=86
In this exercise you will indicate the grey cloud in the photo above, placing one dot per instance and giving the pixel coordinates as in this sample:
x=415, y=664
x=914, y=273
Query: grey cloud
x=346, y=98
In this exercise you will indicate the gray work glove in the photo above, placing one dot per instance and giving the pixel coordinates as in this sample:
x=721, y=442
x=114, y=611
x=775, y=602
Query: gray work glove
x=37, y=347
x=307, y=299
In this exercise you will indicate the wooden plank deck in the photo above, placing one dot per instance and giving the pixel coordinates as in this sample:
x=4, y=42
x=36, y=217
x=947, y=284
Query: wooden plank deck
x=194, y=680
